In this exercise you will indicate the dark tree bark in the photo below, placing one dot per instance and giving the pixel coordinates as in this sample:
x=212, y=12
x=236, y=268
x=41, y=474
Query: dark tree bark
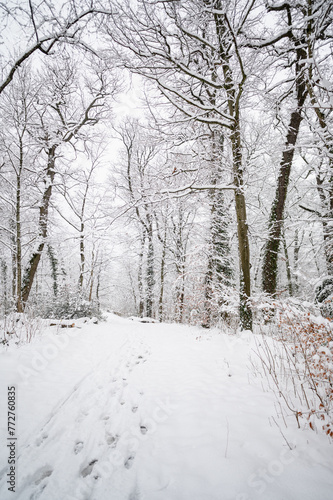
x=270, y=262
x=276, y=218
x=42, y=224
x=234, y=92
x=141, y=307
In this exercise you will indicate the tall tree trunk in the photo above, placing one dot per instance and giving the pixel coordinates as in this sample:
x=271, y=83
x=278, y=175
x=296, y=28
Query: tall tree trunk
x=14, y=266
x=140, y=275
x=82, y=256
x=162, y=276
x=18, y=246
x=219, y=271
x=270, y=263
x=276, y=219
x=234, y=92
x=42, y=224
x=150, y=277
x=242, y=231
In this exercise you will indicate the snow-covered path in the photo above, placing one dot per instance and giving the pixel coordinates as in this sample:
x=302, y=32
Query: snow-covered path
x=131, y=411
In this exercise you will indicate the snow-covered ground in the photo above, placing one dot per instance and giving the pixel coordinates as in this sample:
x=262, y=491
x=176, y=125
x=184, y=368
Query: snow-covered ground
x=130, y=411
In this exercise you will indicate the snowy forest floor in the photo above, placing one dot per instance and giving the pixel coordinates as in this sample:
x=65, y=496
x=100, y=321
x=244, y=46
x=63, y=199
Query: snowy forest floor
x=128, y=411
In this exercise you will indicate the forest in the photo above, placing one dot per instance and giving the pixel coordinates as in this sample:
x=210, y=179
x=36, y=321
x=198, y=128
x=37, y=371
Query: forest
x=166, y=159
x=166, y=249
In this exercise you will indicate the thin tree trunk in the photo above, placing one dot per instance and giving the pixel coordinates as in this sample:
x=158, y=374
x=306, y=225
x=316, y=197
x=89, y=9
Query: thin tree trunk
x=327, y=204
x=92, y=274
x=19, y=305
x=14, y=265
x=150, y=278
x=82, y=235
x=296, y=259
x=43, y=225
x=288, y=269
x=4, y=284
x=140, y=276
x=82, y=256
x=180, y=289
x=54, y=269
x=327, y=208
x=162, y=276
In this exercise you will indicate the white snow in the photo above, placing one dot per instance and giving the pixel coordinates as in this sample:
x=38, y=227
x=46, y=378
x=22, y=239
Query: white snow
x=128, y=411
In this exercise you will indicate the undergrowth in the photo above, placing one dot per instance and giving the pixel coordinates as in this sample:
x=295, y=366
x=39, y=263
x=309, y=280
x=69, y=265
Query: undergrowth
x=295, y=351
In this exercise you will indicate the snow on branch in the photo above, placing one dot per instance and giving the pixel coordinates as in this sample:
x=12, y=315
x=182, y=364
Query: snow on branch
x=193, y=187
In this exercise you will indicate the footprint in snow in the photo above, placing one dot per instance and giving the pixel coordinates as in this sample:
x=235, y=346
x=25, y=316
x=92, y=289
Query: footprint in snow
x=129, y=462
x=88, y=469
x=143, y=429
x=41, y=474
x=112, y=440
x=78, y=447
x=134, y=409
x=41, y=438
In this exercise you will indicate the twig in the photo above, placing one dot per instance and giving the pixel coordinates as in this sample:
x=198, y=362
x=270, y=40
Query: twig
x=284, y=437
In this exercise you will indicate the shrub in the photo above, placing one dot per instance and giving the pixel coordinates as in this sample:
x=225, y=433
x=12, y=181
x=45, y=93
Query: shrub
x=299, y=362
x=68, y=304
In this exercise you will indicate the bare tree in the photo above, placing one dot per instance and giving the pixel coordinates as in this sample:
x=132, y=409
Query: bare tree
x=18, y=113
x=139, y=153
x=62, y=116
x=42, y=26
x=83, y=196
x=305, y=26
x=190, y=50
